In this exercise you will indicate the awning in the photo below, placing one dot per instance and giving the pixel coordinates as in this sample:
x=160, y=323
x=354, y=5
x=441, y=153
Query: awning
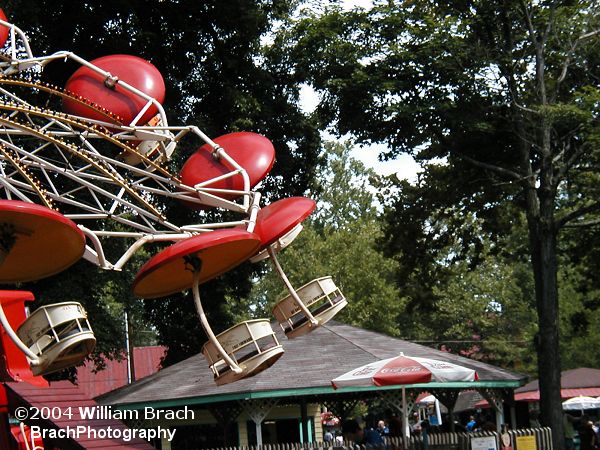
x=534, y=396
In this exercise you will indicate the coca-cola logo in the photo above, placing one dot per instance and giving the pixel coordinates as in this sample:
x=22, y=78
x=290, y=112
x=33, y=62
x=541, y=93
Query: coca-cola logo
x=364, y=371
x=405, y=369
x=439, y=365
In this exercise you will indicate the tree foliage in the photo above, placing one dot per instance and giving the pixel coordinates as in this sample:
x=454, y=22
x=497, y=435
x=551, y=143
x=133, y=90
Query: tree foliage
x=579, y=299
x=491, y=306
x=503, y=97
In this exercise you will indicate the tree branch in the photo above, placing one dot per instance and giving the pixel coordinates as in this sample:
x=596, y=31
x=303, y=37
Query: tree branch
x=499, y=170
x=562, y=171
x=568, y=59
x=524, y=108
x=539, y=43
x=548, y=29
x=594, y=207
x=528, y=20
x=588, y=223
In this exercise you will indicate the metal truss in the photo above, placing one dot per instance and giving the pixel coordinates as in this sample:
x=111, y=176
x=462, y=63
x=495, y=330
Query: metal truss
x=94, y=171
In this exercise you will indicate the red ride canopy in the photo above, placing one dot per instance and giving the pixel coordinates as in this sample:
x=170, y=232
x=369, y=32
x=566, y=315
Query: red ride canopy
x=136, y=72
x=169, y=271
x=45, y=241
x=278, y=218
x=253, y=152
x=3, y=30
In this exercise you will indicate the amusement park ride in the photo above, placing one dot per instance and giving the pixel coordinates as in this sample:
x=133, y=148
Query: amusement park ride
x=90, y=165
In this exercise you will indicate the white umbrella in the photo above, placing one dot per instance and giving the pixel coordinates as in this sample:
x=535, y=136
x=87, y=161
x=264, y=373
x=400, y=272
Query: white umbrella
x=427, y=402
x=402, y=370
x=580, y=403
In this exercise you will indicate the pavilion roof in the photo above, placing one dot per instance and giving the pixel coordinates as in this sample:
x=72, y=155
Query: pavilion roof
x=306, y=368
x=582, y=377
x=574, y=382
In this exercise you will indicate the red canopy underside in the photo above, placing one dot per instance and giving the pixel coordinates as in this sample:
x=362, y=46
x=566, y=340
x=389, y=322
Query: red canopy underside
x=534, y=396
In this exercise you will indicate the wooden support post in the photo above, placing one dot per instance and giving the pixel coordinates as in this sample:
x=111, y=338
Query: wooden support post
x=304, y=421
x=258, y=410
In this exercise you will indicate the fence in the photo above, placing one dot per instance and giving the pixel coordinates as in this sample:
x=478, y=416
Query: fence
x=464, y=441
x=432, y=441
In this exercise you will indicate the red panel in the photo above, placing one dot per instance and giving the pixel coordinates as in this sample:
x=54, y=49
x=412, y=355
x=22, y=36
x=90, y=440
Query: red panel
x=14, y=365
x=24, y=441
x=46, y=241
x=147, y=361
x=3, y=30
x=168, y=272
x=137, y=72
x=253, y=152
x=534, y=396
x=278, y=218
x=3, y=402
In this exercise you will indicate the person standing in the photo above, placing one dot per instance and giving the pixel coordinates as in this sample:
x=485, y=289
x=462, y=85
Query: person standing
x=383, y=429
x=587, y=436
x=352, y=431
x=569, y=431
x=471, y=424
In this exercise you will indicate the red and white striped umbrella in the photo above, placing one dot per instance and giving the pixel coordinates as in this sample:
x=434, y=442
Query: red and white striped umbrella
x=402, y=370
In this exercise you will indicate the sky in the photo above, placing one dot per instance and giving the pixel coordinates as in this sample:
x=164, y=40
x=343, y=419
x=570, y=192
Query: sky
x=349, y=4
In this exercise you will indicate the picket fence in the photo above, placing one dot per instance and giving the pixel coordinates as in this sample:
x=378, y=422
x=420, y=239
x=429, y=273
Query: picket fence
x=433, y=441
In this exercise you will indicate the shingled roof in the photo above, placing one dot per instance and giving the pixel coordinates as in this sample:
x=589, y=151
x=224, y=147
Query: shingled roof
x=307, y=367
x=573, y=383
x=582, y=377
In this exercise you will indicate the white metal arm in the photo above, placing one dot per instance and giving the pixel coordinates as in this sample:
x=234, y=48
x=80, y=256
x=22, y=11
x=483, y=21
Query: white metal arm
x=209, y=332
x=290, y=288
x=33, y=358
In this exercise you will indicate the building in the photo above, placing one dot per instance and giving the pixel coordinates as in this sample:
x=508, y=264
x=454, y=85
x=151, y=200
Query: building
x=284, y=403
x=116, y=373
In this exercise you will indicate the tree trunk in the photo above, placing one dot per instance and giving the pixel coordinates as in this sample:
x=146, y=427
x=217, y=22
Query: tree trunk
x=542, y=237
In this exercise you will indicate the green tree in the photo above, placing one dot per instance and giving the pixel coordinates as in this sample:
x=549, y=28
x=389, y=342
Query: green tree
x=504, y=94
x=339, y=240
x=469, y=293
x=579, y=301
x=491, y=308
